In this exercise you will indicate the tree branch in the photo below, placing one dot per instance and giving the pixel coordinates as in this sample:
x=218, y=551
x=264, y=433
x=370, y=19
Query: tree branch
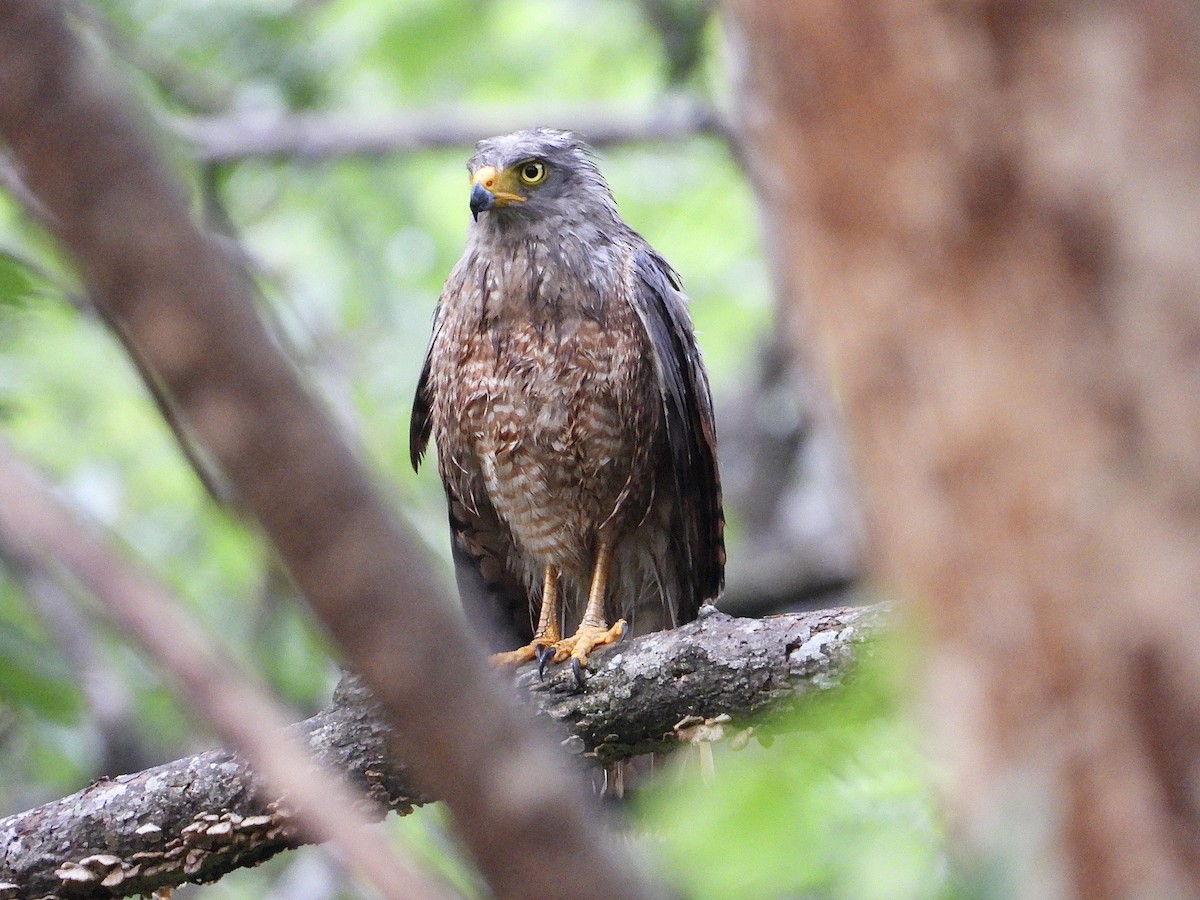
x=198, y=818
x=325, y=135
x=42, y=536
x=122, y=213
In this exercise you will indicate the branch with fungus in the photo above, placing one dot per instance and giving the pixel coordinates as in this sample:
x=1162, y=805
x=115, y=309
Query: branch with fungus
x=704, y=682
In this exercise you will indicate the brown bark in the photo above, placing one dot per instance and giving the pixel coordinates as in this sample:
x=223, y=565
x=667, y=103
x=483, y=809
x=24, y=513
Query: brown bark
x=209, y=814
x=191, y=820
x=122, y=215
x=989, y=212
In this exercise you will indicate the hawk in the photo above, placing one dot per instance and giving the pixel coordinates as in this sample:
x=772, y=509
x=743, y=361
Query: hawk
x=571, y=412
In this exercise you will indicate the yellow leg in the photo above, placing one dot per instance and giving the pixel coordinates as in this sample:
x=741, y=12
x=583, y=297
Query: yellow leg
x=593, y=615
x=547, y=629
x=593, y=632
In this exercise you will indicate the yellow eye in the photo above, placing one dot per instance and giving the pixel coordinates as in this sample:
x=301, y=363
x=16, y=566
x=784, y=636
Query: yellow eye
x=532, y=172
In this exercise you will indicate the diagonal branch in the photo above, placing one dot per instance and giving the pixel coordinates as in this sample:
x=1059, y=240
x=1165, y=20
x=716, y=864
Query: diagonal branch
x=144, y=830
x=123, y=215
x=40, y=534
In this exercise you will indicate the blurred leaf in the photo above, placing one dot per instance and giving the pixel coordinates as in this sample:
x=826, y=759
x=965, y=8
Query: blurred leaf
x=838, y=806
x=429, y=840
x=34, y=677
x=16, y=280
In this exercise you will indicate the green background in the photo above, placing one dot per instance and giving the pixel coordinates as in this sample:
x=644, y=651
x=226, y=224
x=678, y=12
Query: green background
x=350, y=255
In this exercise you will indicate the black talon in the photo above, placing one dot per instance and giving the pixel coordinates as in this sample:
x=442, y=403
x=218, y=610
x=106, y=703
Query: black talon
x=577, y=671
x=544, y=653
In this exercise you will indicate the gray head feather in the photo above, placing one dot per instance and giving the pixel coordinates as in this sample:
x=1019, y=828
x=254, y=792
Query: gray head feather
x=573, y=190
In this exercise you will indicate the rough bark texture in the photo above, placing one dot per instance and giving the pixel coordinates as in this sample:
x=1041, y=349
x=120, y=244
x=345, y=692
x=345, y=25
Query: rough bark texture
x=194, y=819
x=122, y=214
x=989, y=211
x=198, y=818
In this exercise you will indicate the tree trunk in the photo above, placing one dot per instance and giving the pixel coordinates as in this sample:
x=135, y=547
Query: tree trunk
x=989, y=212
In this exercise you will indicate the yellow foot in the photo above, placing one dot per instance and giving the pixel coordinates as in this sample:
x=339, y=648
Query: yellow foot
x=575, y=648
x=586, y=639
x=518, y=656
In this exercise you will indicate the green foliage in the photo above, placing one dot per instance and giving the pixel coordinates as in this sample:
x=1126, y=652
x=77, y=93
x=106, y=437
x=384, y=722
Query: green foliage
x=16, y=280
x=33, y=677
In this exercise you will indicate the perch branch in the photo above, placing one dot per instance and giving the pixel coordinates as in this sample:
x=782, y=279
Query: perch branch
x=198, y=818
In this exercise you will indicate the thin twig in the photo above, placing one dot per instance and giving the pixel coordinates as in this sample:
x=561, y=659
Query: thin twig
x=327, y=135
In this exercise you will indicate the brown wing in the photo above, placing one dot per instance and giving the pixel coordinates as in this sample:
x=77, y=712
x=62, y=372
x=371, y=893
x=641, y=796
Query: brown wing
x=479, y=544
x=691, y=434
x=492, y=596
x=421, y=422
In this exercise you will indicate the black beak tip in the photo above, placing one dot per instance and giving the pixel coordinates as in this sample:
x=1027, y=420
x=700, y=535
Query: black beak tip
x=481, y=200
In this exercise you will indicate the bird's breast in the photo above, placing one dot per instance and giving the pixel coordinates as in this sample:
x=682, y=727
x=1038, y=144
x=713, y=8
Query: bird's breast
x=548, y=419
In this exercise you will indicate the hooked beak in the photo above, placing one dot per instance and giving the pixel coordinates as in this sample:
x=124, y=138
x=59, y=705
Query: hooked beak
x=481, y=200
x=492, y=190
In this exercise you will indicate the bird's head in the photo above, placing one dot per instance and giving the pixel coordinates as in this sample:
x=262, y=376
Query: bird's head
x=529, y=174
